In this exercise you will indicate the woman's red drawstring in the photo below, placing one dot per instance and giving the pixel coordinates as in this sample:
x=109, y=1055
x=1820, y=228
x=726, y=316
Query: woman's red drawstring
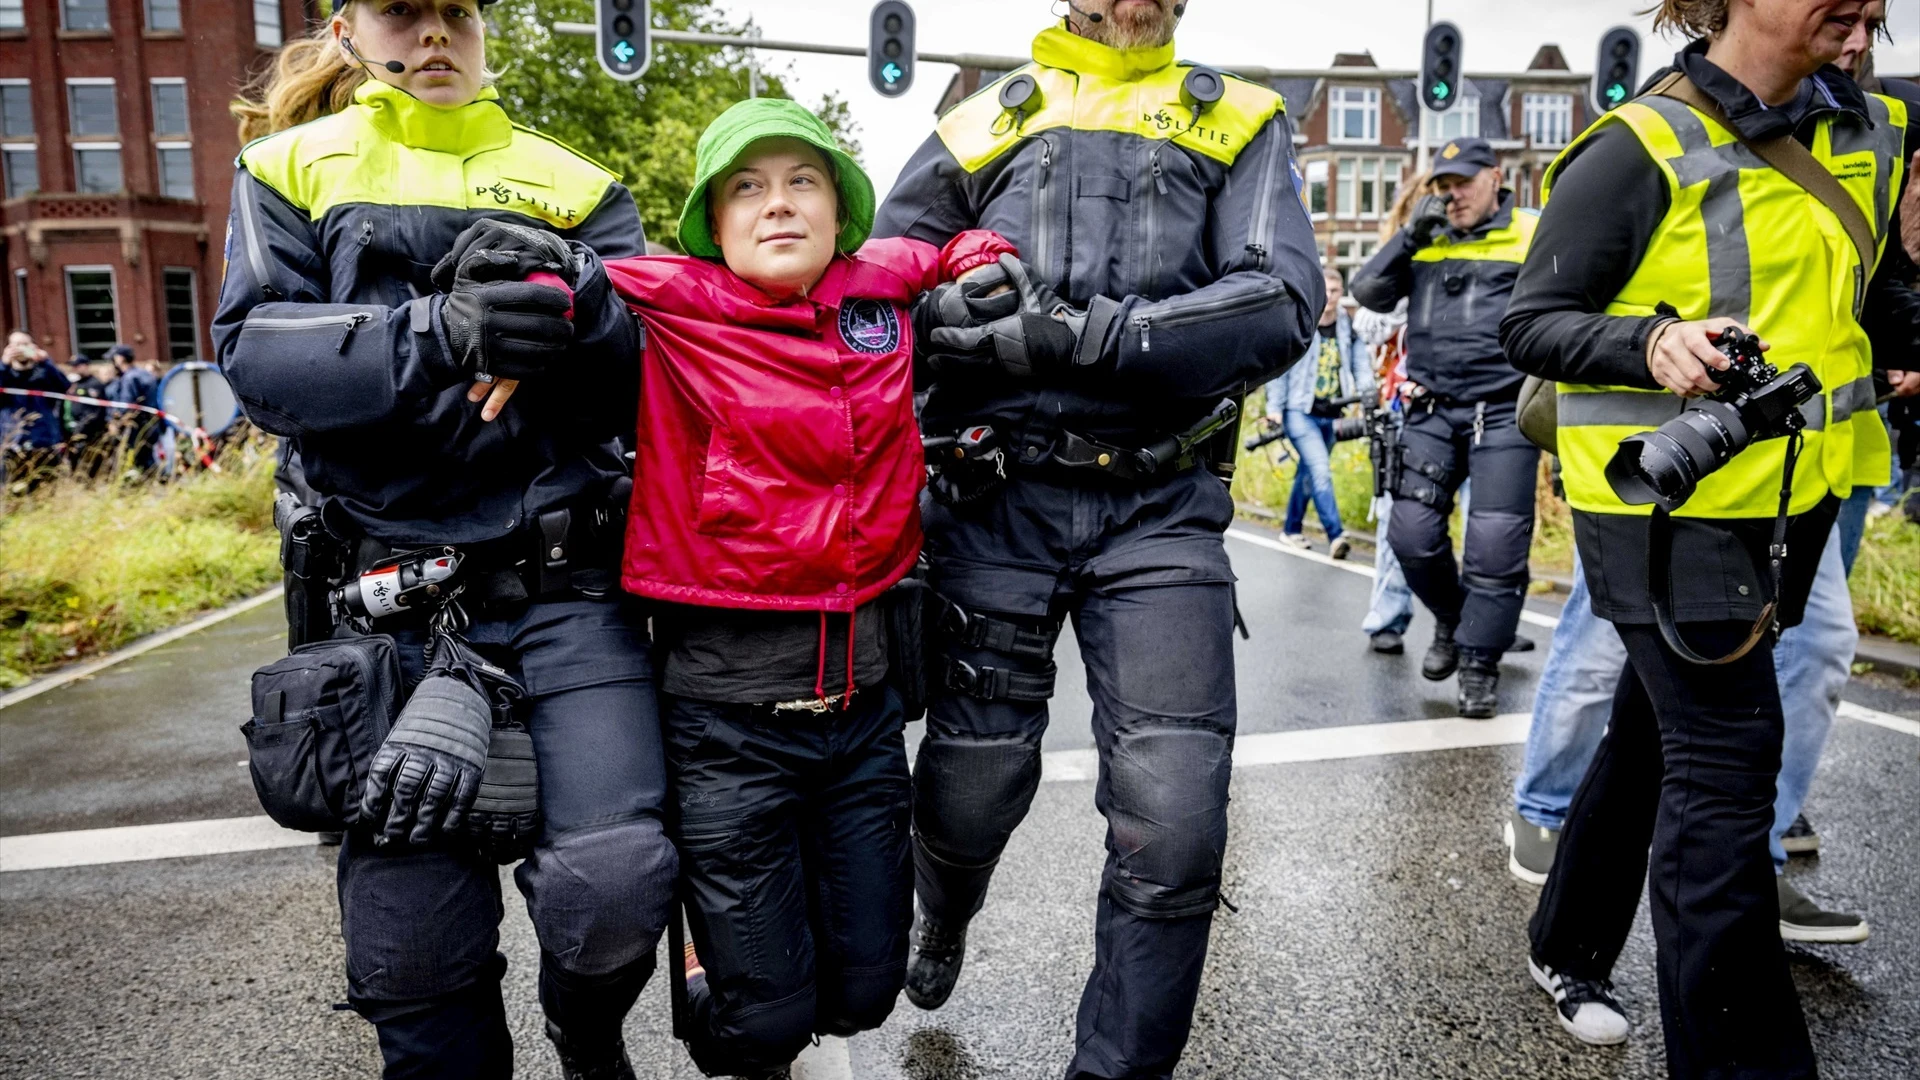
x=846, y=703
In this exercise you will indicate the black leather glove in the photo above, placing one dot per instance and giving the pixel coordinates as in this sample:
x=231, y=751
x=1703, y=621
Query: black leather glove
x=1028, y=331
x=503, y=251
x=505, y=816
x=1429, y=217
x=425, y=777
x=507, y=329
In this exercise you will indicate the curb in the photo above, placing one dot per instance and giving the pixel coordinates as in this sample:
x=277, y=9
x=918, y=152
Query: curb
x=146, y=644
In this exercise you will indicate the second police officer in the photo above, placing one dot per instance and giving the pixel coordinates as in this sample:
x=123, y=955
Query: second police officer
x=340, y=334
x=1168, y=264
x=1456, y=262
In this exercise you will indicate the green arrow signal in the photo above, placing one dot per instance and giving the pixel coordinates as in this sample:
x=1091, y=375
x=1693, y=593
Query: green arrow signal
x=1441, y=90
x=891, y=73
x=624, y=52
x=1616, y=93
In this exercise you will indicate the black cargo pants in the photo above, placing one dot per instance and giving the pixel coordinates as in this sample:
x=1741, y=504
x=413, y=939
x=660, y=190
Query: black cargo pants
x=1144, y=575
x=1444, y=446
x=422, y=926
x=792, y=829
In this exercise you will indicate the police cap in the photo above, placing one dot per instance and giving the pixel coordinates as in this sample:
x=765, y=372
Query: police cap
x=1464, y=157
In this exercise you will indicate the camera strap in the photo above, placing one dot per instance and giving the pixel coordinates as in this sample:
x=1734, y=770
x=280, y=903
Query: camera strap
x=1660, y=571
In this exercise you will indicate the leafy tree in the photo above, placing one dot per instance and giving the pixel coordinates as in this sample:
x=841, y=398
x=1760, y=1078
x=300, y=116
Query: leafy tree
x=646, y=130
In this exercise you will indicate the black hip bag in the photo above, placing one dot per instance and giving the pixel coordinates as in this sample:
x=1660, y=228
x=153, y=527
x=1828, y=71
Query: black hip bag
x=319, y=716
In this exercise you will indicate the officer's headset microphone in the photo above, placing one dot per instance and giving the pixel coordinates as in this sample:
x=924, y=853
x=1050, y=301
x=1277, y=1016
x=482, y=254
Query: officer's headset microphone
x=393, y=66
x=1201, y=90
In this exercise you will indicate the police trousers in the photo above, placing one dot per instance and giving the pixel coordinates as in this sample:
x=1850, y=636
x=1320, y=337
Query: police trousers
x=1445, y=446
x=1144, y=576
x=1685, y=770
x=792, y=829
x=422, y=925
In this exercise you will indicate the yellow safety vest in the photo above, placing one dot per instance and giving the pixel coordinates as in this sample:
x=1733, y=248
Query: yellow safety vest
x=1742, y=241
x=1508, y=244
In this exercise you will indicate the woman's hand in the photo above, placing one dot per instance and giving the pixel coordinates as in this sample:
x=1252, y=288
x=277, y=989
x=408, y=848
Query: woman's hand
x=496, y=394
x=1681, y=355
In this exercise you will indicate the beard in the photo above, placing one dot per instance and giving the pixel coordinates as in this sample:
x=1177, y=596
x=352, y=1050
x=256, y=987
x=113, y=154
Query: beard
x=1137, y=26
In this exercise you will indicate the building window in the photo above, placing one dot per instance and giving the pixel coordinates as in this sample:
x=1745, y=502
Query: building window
x=96, y=168
x=83, y=14
x=13, y=15
x=22, y=164
x=170, y=107
x=1353, y=115
x=1460, y=122
x=16, y=109
x=1346, y=205
x=176, y=169
x=163, y=14
x=183, y=314
x=1317, y=188
x=1547, y=118
x=1367, y=186
x=90, y=107
x=90, y=314
x=22, y=320
x=266, y=23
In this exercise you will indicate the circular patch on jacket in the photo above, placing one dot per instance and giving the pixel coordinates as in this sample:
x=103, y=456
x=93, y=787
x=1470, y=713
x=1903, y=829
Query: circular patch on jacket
x=870, y=326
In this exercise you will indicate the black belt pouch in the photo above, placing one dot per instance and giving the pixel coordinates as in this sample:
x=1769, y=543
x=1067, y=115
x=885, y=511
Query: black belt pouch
x=319, y=715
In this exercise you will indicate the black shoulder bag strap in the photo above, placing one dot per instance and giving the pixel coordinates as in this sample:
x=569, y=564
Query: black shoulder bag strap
x=1660, y=572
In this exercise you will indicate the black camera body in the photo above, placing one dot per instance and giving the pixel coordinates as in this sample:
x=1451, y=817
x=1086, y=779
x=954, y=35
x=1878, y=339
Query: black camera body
x=1755, y=401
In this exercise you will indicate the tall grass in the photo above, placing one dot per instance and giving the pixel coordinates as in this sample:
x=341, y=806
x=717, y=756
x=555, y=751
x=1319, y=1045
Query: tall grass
x=87, y=566
x=1886, y=579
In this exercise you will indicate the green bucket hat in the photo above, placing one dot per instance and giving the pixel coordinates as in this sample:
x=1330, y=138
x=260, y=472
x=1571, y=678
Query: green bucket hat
x=737, y=129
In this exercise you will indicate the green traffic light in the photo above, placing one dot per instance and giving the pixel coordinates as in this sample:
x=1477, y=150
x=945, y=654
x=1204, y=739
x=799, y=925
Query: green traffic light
x=1616, y=93
x=1441, y=90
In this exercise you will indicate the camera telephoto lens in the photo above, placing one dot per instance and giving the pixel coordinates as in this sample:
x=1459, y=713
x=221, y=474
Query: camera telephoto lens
x=1349, y=428
x=1665, y=466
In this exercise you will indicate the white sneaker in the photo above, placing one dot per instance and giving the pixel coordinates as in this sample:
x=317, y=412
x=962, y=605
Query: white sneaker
x=1586, y=1009
x=1298, y=540
x=1341, y=548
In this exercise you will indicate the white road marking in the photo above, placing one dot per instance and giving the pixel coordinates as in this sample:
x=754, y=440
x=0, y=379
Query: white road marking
x=136, y=843
x=1526, y=615
x=145, y=645
x=1850, y=711
x=830, y=1060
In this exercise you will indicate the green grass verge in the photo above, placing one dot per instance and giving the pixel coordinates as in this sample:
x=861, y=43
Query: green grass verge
x=86, y=568
x=1885, y=582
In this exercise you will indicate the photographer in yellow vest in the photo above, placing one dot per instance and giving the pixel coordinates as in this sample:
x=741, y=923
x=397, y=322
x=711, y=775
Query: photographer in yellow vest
x=1703, y=288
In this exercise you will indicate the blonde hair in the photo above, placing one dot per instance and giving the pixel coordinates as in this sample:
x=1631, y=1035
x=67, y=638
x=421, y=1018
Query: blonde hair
x=309, y=79
x=1690, y=18
x=1401, y=212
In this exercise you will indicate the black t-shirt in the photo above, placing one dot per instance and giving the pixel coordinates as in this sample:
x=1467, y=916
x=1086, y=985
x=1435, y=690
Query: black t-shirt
x=765, y=657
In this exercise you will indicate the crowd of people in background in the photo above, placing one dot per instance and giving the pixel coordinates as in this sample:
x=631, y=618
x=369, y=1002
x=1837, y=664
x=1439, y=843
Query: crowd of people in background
x=107, y=430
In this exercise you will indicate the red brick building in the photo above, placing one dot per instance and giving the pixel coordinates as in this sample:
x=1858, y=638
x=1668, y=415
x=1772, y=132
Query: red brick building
x=116, y=155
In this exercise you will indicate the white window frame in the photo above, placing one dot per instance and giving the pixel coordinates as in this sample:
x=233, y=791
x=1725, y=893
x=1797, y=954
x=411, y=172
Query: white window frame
x=90, y=81
x=261, y=28
x=73, y=324
x=22, y=297
x=160, y=173
x=1547, y=106
x=28, y=84
x=6, y=183
x=89, y=146
x=1346, y=204
x=193, y=303
x=147, y=17
x=19, y=10
x=186, y=106
x=1469, y=113
x=93, y=29
x=1338, y=107
x=1326, y=193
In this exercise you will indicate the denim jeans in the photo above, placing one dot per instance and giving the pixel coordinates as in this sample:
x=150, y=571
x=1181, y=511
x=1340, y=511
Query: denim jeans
x=1312, y=438
x=1584, y=662
x=1392, y=607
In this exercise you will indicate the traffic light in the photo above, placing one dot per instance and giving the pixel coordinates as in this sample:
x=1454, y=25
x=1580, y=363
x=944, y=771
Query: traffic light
x=890, y=48
x=1440, y=67
x=1619, y=66
x=625, y=51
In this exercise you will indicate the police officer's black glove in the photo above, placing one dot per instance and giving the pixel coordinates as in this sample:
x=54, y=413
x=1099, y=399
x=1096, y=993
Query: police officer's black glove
x=503, y=251
x=425, y=777
x=505, y=816
x=1027, y=331
x=1429, y=217
x=507, y=329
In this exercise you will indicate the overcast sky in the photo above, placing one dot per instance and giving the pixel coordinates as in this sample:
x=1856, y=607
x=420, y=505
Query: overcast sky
x=1501, y=35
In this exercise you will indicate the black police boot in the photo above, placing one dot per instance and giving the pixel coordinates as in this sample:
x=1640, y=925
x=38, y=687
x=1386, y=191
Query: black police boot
x=1479, y=687
x=1443, y=656
x=604, y=1063
x=935, y=953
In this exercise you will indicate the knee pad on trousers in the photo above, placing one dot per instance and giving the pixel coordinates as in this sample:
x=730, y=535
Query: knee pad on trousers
x=1166, y=807
x=757, y=1039
x=1496, y=550
x=969, y=794
x=599, y=896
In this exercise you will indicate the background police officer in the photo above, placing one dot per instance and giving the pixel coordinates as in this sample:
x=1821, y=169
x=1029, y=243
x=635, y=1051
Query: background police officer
x=1457, y=259
x=340, y=336
x=1169, y=264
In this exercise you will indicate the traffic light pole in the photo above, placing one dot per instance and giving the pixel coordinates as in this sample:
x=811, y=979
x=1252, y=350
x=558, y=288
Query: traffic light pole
x=1420, y=157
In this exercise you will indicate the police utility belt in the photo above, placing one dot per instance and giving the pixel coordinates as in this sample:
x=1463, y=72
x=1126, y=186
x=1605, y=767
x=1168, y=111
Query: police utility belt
x=974, y=461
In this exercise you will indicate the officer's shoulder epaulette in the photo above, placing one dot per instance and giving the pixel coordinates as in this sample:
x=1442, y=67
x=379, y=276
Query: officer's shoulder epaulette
x=978, y=129
x=568, y=148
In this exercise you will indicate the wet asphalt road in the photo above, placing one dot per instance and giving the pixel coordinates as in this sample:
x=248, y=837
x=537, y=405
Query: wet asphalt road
x=1379, y=934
